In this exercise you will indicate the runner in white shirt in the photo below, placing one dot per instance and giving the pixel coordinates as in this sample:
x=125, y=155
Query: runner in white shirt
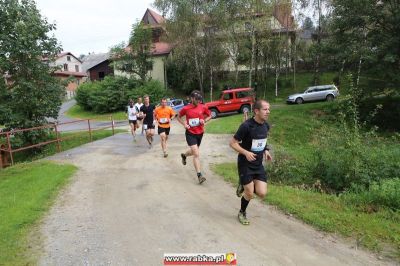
x=138, y=105
x=132, y=113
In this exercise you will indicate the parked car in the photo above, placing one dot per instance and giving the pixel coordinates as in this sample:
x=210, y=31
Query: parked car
x=315, y=93
x=176, y=104
x=232, y=100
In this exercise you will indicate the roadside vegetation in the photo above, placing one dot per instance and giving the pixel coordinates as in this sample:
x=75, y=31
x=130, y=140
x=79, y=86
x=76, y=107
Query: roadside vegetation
x=331, y=170
x=26, y=191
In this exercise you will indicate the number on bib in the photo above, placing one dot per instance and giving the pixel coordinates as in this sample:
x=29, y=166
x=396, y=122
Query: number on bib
x=163, y=120
x=194, y=122
x=258, y=144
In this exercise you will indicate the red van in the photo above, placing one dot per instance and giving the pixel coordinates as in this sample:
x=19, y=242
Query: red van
x=232, y=100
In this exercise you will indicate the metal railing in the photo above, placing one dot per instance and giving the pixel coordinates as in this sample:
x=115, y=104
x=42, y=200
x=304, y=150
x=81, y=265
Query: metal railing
x=7, y=150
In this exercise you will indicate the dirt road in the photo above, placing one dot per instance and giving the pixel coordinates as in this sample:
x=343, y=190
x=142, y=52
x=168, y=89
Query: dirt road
x=127, y=205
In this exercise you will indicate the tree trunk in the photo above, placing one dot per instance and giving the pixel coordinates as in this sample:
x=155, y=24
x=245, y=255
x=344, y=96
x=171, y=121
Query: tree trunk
x=211, y=84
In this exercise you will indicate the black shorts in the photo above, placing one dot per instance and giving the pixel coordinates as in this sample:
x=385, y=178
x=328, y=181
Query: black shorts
x=193, y=139
x=140, y=118
x=247, y=175
x=162, y=129
x=133, y=122
x=148, y=126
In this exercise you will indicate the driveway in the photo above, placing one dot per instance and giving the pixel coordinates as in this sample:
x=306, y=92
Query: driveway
x=127, y=205
x=82, y=125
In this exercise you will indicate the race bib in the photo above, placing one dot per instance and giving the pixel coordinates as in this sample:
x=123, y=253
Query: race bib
x=194, y=122
x=258, y=144
x=144, y=126
x=163, y=120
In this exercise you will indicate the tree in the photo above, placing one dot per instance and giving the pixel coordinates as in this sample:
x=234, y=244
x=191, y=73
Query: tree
x=135, y=59
x=366, y=35
x=31, y=93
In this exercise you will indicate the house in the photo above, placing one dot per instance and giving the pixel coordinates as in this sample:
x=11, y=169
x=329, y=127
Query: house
x=281, y=22
x=97, y=66
x=159, y=50
x=70, y=70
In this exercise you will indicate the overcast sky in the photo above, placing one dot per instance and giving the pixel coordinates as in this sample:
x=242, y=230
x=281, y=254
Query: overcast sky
x=92, y=25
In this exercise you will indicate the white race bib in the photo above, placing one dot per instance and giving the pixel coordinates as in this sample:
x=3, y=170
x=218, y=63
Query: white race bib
x=194, y=122
x=163, y=120
x=144, y=126
x=258, y=144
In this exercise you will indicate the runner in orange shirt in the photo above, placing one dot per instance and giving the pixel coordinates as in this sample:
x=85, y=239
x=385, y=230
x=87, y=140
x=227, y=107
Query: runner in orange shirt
x=163, y=115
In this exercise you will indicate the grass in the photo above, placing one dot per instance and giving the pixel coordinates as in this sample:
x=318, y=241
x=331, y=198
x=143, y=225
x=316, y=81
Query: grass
x=378, y=231
x=78, y=112
x=294, y=131
x=74, y=139
x=26, y=192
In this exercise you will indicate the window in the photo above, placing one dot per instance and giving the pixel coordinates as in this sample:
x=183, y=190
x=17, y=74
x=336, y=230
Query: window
x=101, y=75
x=76, y=68
x=65, y=67
x=69, y=58
x=242, y=94
x=228, y=96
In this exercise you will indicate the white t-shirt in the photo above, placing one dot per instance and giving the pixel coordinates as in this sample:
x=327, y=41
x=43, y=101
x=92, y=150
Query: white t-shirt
x=132, y=112
x=138, y=105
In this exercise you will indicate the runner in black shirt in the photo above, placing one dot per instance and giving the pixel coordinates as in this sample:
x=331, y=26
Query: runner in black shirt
x=250, y=141
x=147, y=111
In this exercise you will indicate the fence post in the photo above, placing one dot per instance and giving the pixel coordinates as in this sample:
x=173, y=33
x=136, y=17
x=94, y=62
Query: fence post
x=9, y=148
x=58, y=138
x=90, y=131
x=112, y=124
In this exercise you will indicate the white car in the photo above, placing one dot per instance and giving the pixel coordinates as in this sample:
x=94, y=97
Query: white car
x=315, y=93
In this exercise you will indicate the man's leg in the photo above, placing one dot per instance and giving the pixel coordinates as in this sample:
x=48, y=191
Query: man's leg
x=163, y=137
x=261, y=188
x=244, y=202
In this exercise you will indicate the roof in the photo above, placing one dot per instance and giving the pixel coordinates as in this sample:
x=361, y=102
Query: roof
x=161, y=48
x=67, y=53
x=237, y=89
x=93, y=60
x=283, y=13
x=69, y=73
x=158, y=19
x=158, y=48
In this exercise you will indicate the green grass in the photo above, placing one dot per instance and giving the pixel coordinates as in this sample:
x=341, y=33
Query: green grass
x=378, y=231
x=75, y=139
x=78, y=112
x=293, y=127
x=26, y=192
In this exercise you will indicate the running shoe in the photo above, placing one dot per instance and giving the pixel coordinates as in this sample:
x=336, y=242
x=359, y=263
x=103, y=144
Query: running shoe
x=165, y=155
x=201, y=179
x=239, y=190
x=183, y=158
x=242, y=218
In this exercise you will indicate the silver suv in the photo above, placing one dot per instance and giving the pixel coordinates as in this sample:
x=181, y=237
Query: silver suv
x=315, y=93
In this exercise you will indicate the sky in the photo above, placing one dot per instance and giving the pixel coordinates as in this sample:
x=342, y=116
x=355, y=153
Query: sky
x=92, y=25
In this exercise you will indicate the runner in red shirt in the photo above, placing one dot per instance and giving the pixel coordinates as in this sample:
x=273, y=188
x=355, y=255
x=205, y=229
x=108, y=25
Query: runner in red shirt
x=197, y=114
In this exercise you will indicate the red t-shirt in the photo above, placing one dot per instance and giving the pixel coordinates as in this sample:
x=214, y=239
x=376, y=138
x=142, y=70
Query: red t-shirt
x=193, y=115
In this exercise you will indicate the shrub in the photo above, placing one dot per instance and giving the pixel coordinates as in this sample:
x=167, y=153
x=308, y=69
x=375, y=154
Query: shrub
x=384, y=193
x=113, y=93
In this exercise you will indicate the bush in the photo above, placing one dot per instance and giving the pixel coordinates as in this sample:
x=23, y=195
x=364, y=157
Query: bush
x=384, y=193
x=288, y=170
x=388, y=115
x=113, y=93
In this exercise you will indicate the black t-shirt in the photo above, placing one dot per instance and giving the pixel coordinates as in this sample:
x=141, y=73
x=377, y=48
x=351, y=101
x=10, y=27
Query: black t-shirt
x=253, y=137
x=148, y=111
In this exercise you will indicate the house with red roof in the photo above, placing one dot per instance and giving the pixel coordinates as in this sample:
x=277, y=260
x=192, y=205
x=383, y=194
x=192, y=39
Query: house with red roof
x=70, y=67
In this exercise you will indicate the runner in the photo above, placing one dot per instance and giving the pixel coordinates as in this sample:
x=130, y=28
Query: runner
x=147, y=112
x=132, y=118
x=164, y=114
x=138, y=105
x=197, y=114
x=250, y=141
